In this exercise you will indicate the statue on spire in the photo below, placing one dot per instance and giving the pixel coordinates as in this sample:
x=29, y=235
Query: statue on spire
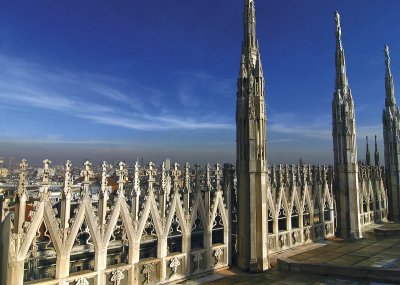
x=337, y=19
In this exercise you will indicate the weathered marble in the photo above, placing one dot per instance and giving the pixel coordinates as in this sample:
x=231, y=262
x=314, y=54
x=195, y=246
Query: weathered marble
x=391, y=136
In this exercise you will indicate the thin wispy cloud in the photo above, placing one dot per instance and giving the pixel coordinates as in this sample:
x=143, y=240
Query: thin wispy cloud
x=95, y=98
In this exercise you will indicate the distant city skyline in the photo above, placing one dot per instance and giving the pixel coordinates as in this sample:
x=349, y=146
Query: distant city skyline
x=115, y=81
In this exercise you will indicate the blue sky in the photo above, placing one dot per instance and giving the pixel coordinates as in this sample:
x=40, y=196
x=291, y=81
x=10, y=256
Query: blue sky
x=119, y=79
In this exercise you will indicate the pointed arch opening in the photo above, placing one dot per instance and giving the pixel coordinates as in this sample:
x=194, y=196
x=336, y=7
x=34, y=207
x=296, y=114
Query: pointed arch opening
x=328, y=211
x=118, y=246
x=282, y=219
x=218, y=229
x=83, y=251
x=197, y=237
x=317, y=212
x=378, y=202
x=306, y=215
x=40, y=261
x=371, y=206
x=271, y=228
x=365, y=205
x=295, y=217
x=174, y=239
x=149, y=240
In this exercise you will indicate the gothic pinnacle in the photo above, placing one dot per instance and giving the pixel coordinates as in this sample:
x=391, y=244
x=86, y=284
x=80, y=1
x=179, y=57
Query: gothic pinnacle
x=387, y=55
x=250, y=37
x=390, y=97
x=376, y=153
x=337, y=18
x=367, y=154
x=341, y=78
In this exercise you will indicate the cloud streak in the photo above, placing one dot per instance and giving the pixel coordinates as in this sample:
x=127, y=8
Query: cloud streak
x=99, y=99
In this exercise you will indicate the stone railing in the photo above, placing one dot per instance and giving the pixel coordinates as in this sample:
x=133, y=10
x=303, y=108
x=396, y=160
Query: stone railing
x=140, y=233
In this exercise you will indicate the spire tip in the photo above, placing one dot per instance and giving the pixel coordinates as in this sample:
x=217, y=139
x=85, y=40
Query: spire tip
x=337, y=18
x=387, y=53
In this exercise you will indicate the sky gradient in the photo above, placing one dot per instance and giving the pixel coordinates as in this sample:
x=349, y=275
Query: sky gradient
x=113, y=80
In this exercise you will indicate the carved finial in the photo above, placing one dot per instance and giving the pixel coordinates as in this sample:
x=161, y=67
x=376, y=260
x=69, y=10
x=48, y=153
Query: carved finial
x=123, y=177
x=187, y=177
x=163, y=177
x=218, y=173
x=22, y=179
x=280, y=174
x=136, y=184
x=87, y=173
x=122, y=172
x=176, y=173
x=151, y=171
x=208, y=177
x=104, y=182
x=197, y=173
x=46, y=172
x=67, y=184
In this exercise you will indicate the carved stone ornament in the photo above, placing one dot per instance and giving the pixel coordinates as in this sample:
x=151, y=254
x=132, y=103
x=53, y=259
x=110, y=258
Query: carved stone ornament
x=82, y=281
x=148, y=269
x=197, y=258
x=174, y=264
x=218, y=255
x=116, y=277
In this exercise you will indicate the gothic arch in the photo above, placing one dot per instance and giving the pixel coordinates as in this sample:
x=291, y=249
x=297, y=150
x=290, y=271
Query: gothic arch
x=85, y=212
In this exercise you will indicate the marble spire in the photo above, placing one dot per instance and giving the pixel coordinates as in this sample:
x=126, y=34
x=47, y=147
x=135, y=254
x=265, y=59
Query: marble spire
x=390, y=97
x=341, y=77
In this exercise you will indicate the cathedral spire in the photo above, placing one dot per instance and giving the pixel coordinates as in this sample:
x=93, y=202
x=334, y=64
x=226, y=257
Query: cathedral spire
x=376, y=153
x=251, y=164
x=345, y=148
x=390, y=97
x=367, y=154
x=391, y=130
x=341, y=78
x=250, y=36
